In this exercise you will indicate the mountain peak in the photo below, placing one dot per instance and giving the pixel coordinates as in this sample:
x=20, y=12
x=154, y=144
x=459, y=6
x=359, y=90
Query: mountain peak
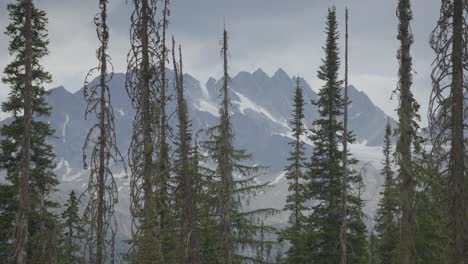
x=259, y=73
x=59, y=90
x=281, y=74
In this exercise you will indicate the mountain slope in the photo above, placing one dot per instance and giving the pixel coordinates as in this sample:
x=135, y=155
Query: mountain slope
x=261, y=108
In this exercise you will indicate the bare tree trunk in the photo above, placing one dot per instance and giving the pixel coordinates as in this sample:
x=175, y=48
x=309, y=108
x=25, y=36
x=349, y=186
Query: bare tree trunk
x=100, y=229
x=163, y=149
x=457, y=167
x=344, y=212
x=23, y=206
x=146, y=119
x=406, y=131
x=226, y=171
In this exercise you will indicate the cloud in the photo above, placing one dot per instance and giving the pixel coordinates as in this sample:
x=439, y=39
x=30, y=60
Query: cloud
x=264, y=34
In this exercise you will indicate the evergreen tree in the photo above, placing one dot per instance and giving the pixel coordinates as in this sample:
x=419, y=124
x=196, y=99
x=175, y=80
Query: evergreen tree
x=372, y=246
x=238, y=230
x=431, y=214
x=326, y=169
x=206, y=201
x=73, y=233
x=8, y=205
x=101, y=143
x=447, y=118
x=407, y=113
x=26, y=157
x=295, y=174
x=165, y=209
x=184, y=168
x=387, y=227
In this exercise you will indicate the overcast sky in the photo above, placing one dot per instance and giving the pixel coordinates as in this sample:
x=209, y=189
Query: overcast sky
x=266, y=34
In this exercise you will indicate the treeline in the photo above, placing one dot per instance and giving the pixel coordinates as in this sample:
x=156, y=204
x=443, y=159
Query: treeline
x=190, y=189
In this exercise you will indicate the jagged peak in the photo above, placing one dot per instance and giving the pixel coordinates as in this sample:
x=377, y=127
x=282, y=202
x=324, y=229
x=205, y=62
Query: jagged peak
x=259, y=73
x=280, y=73
x=60, y=90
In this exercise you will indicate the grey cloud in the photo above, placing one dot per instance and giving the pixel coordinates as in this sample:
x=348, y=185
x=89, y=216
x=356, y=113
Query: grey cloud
x=264, y=33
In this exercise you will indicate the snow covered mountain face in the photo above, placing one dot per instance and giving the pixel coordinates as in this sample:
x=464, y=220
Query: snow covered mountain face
x=261, y=108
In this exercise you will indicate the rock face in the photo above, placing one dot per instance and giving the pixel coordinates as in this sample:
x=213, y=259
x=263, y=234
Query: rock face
x=261, y=108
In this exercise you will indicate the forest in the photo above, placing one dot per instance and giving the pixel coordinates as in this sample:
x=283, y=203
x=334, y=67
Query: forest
x=191, y=189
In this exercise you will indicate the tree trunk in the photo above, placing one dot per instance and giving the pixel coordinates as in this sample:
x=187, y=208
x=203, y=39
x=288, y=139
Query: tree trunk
x=226, y=171
x=405, y=113
x=100, y=229
x=23, y=206
x=146, y=119
x=344, y=189
x=457, y=170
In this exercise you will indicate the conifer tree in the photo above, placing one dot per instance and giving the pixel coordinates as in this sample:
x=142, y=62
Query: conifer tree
x=407, y=113
x=8, y=205
x=326, y=169
x=26, y=156
x=372, y=242
x=184, y=168
x=141, y=85
x=101, y=143
x=448, y=128
x=165, y=211
x=295, y=174
x=206, y=187
x=73, y=233
x=431, y=214
x=238, y=229
x=388, y=209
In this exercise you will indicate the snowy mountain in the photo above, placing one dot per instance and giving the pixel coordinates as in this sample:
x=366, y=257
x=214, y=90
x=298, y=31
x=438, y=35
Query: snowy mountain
x=261, y=108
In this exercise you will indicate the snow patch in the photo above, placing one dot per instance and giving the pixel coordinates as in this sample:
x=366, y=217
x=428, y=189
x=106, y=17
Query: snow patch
x=64, y=166
x=278, y=178
x=74, y=177
x=64, y=128
x=245, y=103
x=206, y=106
x=365, y=153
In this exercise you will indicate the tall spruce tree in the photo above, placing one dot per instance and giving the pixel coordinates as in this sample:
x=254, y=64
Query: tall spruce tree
x=326, y=169
x=296, y=176
x=206, y=201
x=185, y=170
x=430, y=205
x=238, y=229
x=141, y=85
x=26, y=156
x=446, y=117
x=73, y=233
x=100, y=141
x=407, y=114
x=388, y=209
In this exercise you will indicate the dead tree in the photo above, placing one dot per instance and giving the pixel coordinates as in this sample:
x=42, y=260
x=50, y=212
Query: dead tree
x=447, y=113
x=101, y=142
x=141, y=85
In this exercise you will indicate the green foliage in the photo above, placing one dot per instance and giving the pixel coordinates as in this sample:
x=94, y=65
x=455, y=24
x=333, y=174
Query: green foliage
x=43, y=224
x=235, y=183
x=73, y=233
x=431, y=212
x=388, y=211
x=296, y=176
x=326, y=170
